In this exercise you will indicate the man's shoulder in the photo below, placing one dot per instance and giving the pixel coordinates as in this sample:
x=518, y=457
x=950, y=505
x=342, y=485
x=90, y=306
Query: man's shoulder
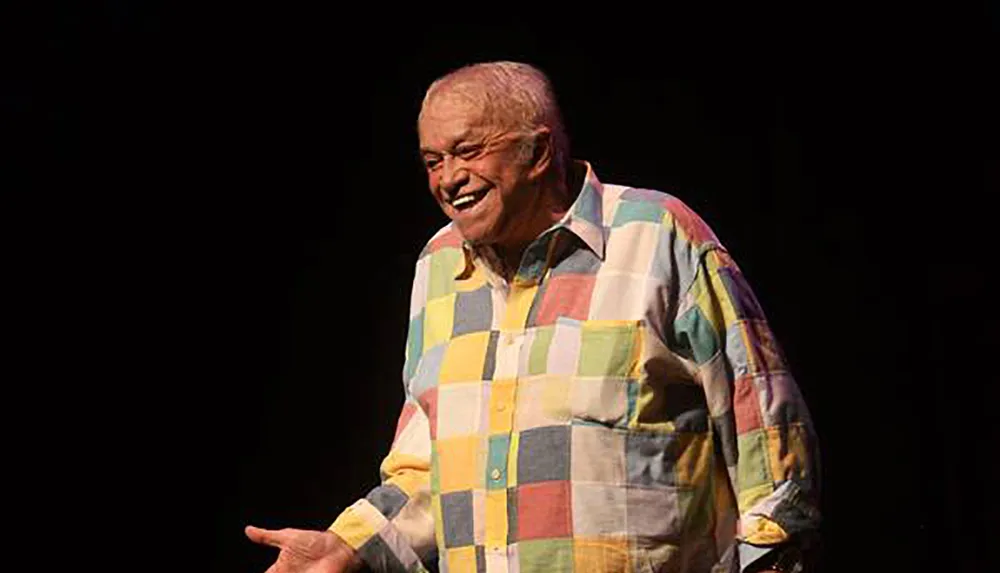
x=447, y=238
x=628, y=205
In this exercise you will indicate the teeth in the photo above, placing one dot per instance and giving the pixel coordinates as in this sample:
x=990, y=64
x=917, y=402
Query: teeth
x=463, y=200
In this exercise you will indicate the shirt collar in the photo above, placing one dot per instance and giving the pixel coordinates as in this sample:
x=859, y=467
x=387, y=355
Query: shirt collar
x=584, y=218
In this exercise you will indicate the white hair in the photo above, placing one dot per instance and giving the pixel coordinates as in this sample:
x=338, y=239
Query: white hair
x=512, y=94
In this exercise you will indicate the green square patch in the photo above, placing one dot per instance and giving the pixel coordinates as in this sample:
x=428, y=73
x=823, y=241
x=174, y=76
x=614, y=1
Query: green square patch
x=752, y=468
x=414, y=344
x=607, y=350
x=435, y=470
x=539, y=357
x=545, y=556
x=443, y=268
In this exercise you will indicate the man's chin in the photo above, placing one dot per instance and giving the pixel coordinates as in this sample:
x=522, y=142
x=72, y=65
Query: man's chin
x=476, y=235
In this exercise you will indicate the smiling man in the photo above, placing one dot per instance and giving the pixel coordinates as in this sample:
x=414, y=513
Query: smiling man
x=590, y=383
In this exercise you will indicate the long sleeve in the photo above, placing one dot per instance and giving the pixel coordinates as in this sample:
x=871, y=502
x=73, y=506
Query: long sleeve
x=758, y=414
x=392, y=528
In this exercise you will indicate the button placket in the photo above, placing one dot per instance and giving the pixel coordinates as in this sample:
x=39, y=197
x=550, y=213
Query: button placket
x=509, y=348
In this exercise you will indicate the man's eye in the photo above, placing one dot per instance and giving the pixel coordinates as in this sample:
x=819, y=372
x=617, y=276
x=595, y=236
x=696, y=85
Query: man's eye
x=468, y=152
x=432, y=163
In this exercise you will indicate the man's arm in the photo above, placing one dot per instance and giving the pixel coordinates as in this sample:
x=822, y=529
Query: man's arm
x=392, y=528
x=758, y=414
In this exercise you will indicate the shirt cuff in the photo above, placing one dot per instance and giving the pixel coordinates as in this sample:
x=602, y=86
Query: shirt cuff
x=751, y=554
x=778, y=517
x=376, y=540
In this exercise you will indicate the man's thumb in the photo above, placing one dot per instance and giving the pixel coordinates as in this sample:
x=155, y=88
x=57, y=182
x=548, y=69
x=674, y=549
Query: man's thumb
x=266, y=536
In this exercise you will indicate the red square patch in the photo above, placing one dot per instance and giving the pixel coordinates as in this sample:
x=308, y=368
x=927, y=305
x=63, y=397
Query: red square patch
x=429, y=401
x=451, y=238
x=543, y=510
x=565, y=295
x=746, y=405
x=409, y=409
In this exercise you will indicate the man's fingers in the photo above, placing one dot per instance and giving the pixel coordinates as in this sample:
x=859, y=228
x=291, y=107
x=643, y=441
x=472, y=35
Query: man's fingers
x=266, y=536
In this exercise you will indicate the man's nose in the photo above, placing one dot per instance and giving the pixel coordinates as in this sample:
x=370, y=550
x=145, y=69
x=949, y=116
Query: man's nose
x=453, y=176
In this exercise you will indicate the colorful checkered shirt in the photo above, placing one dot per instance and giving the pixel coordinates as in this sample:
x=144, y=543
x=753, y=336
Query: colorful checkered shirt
x=620, y=405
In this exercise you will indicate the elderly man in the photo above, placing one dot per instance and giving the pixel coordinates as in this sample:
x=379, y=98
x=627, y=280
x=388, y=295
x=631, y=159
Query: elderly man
x=590, y=384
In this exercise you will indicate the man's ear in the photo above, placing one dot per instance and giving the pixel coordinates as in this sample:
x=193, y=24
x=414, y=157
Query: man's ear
x=542, y=153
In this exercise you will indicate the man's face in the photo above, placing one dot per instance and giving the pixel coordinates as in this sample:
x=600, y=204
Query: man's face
x=476, y=172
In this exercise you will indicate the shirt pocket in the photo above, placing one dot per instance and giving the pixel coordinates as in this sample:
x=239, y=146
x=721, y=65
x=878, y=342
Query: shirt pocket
x=605, y=357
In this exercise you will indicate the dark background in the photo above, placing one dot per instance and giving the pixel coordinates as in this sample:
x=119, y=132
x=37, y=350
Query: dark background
x=229, y=205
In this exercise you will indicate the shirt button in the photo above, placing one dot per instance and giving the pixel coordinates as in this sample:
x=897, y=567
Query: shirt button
x=501, y=407
x=495, y=474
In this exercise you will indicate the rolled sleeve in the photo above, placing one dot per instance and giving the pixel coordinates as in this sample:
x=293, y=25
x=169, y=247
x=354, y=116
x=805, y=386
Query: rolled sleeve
x=392, y=528
x=758, y=413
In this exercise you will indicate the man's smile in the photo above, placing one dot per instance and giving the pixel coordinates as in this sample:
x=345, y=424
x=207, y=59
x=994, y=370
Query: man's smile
x=468, y=201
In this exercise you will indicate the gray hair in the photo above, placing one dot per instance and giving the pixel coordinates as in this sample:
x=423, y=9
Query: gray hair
x=512, y=94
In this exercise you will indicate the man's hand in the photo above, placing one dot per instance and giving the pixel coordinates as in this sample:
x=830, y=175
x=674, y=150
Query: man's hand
x=304, y=551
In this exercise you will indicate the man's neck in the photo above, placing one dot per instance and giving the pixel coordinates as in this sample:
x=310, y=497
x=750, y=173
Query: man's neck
x=555, y=201
x=510, y=260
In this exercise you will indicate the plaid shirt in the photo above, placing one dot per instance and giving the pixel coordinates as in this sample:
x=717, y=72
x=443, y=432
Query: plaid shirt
x=621, y=405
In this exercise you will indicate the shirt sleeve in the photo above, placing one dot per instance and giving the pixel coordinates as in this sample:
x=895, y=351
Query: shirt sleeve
x=758, y=414
x=392, y=528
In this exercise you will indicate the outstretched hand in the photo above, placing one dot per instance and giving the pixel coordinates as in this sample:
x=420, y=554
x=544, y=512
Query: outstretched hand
x=306, y=551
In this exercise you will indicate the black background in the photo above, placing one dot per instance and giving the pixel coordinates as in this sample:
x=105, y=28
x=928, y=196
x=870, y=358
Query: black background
x=229, y=205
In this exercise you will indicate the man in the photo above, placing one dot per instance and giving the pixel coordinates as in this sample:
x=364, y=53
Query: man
x=590, y=383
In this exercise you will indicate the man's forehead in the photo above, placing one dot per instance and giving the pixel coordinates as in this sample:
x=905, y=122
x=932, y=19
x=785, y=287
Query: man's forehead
x=442, y=125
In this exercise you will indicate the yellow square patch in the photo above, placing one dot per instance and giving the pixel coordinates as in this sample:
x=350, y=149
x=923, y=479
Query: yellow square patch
x=722, y=295
x=789, y=461
x=461, y=559
x=694, y=462
x=358, y=523
x=496, y=517
x=439, y=320
x=518, y=304
x=601, y=555
x=436, y=513
x=515, y=444
x=458, y=460
x=501, y=406
x=473, y=282
x=465, y=358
